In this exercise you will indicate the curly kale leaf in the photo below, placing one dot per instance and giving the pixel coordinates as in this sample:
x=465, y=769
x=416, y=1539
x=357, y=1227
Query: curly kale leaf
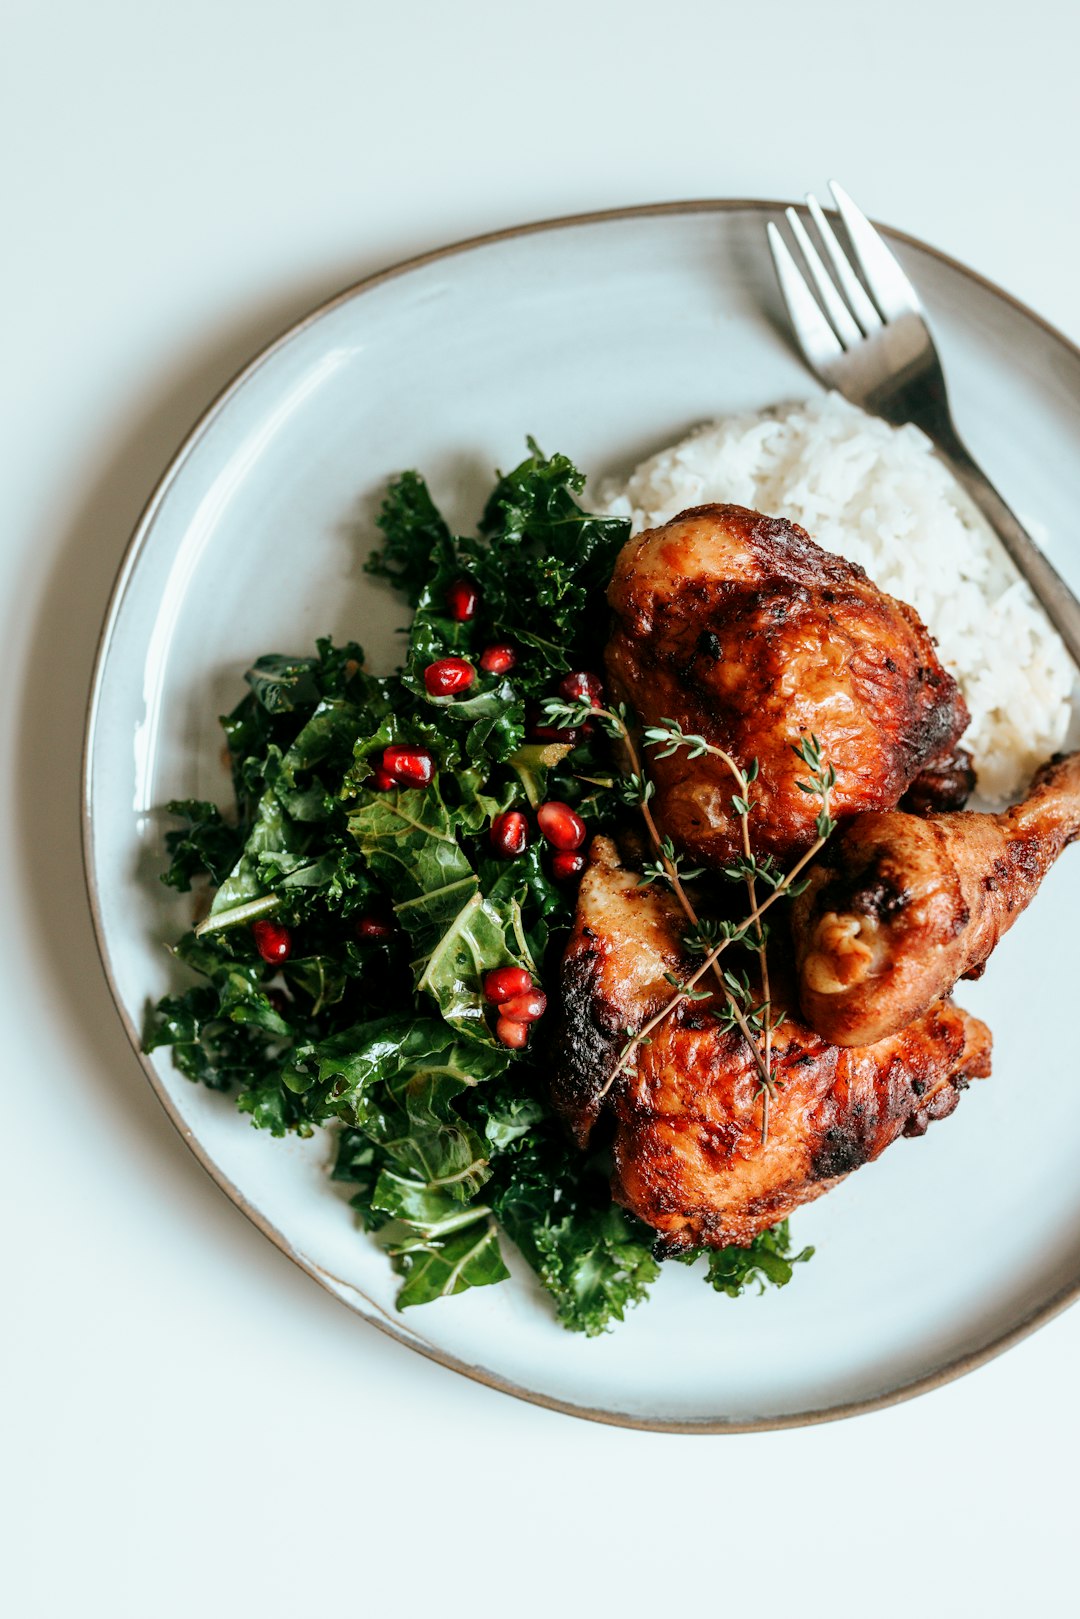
x=456, y=934
x=283, y=684
x=443, y=1256
x=399, y=1080
x=418, y=1161
x=181, y=1021
x=479, y=729
x=226, y=1051
x=596, y=1265
x=409, y=840
x=534, y=508
x=296, y=845
x=207, y=845
x=247, y=1027
x=358, y=1161
x=437, y=1245
x=592, y=1257
x=415, y=538
x=541, y=561
x=768, y=1260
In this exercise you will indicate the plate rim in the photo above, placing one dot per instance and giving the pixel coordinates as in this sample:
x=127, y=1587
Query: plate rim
x=351, y=1297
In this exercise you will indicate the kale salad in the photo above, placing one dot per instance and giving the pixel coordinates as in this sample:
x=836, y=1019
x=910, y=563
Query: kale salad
x=382, y=911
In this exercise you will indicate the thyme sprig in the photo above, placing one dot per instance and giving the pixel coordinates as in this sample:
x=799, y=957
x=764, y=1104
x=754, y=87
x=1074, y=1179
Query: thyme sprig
x=616, y=722
x=658, y=869
x=711, y=938
x=643, y=1036
x=669, y=738
x=822, y=781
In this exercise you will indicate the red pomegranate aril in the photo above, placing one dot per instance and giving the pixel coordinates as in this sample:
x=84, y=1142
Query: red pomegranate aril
x=498, y=659
x=514, y=1035
x=524, y=1008
x=562, y=826
x=582, y=687
x=409, y=767
x=510, y=834
x=381, y=781
x=374, y=925
x=272, y=941
x=551, y=733
x=503, y=983
x=462, y=600
x=446, y=676
x=565, y=865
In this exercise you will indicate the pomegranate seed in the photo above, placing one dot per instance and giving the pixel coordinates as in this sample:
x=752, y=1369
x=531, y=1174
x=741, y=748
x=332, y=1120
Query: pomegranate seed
x=409, y=767
x=380, y=781
x=497, y=659
x=562, y=826
x=462, y=600
x=565, y=865
x=374, y=925
x=581, y=687
x=510, y=834
x=524, y=1008
x=503, y=983
x=448, y=675
x=272, y=941
x=514, y=1035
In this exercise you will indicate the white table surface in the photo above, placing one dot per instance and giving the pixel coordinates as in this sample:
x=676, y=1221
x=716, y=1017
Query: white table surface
x=191, y=1426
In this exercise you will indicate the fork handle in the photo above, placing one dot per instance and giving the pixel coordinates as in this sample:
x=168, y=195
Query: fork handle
x=1054, y=595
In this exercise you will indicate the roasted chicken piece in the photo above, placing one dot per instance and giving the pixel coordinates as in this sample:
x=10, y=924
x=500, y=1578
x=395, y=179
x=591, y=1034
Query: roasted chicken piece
x=899, y=907
x=626, y=937
x=945, y=783
x=687, y=1144
x=742, y=630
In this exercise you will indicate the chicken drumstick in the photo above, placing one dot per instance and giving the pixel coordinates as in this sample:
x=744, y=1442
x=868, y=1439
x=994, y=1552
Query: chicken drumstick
x=687, y=1147
x=899, y=907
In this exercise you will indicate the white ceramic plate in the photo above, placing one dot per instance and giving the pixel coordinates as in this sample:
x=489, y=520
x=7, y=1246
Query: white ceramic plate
x=605, y=337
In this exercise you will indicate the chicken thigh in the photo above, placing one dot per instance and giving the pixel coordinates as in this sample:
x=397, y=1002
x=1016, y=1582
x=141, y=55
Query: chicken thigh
x=742, y=630
x=899, y=907
x=688, y=1150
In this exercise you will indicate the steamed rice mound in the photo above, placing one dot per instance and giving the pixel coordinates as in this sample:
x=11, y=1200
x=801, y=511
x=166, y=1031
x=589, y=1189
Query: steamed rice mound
x=879, y=496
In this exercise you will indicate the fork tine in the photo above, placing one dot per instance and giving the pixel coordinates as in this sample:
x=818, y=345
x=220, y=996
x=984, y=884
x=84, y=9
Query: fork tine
x=835, y=307
x=852, y=288
x=890, y=287
x=816, y=337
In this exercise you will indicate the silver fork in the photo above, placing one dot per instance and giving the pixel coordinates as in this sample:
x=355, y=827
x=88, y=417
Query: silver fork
x=877, y=351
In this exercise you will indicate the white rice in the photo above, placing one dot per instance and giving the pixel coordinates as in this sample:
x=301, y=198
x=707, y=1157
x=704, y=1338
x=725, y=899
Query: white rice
x=879, y=496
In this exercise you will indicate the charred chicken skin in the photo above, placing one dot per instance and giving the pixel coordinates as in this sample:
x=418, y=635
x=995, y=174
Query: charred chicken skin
x=626, y=938
x=899, y=907
x=946, y=783
x=742, y=630
x=687, y=1148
